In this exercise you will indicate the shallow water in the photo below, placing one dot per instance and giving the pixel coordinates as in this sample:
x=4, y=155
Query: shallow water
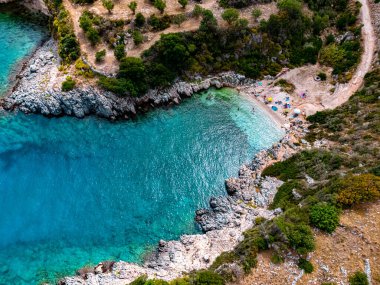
x=76, y=192
x=18, y=38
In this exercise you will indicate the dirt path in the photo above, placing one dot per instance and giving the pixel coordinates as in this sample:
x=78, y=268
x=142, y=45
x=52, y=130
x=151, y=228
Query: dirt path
x=344, y=92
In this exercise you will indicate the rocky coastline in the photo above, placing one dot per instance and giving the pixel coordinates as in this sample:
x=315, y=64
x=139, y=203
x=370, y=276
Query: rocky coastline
x=38, y=6
x=38, y=91
x=223, y=224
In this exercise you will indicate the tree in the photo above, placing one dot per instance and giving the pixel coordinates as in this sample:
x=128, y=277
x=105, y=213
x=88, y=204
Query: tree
x=179, y=19
x=198, y=10
x=137, y=37
x=230, y=15
x=109, y=5
x=160, y=5
x=93, y=36
x=140, y=20
x=256, y=13
x=133, y=6
x=99, y=56
x=119, y=51
x=208, y=23
x=183, y=3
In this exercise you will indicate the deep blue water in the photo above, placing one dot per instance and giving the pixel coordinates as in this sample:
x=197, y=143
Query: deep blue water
x=76, y=192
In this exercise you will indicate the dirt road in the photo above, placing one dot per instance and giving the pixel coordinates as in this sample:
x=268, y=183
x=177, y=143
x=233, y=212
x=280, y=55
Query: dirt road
x=344, y=92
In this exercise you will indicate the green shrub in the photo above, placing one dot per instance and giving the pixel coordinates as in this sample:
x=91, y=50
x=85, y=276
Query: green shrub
x=68, y=45
x=284, y=198
x=305, y=265
x=324, y=217
x=230, y=15
x=68, y=84
x=140, y=20
x=206, y=277
x=315, y=163
x=83, y=1
x=119, y=51
x=160, y=5
x=322, y=76
x=359, y=278
x=133, y=6
x=138, y=38
x=108, y=4
x=256, y=13
x=285, y=85
x=99, y=56
x=276, y=258
x=178, y=19
x=159, y=23
x=183, y=3
x=300, y=236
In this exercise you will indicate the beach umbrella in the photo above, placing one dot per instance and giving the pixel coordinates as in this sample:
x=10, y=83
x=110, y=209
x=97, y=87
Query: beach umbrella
x=270, y=99
x=297, y=111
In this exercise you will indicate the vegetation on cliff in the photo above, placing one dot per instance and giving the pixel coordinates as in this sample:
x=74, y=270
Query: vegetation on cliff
x=288, y=38
x=68, y=45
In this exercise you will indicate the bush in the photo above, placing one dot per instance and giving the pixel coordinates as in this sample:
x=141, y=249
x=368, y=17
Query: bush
x=140, y=20
x=322, y=76
x=133, y=6
x=178, y=19
x=160, y=5
x=230, y=15
x=119, y=51
x=276, y=259
x=159, y=23
x=359, y=278
x=206, y=277
x=68, y=84
x=108, y=4
x=68, y=45
x=256, y=13
x=324, y=217
x=183, y=3
x=99, y=56
x=358, y=189
x=305, y=265
x=315, y=163
x=137, y=37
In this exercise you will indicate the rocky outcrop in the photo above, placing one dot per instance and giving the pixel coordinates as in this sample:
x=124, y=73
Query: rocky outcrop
x=39, y=91
x=33, y=5
x=223, y=225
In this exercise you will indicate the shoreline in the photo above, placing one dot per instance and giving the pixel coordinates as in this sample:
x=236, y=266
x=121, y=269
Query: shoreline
x=276, y=117
x=20, y=66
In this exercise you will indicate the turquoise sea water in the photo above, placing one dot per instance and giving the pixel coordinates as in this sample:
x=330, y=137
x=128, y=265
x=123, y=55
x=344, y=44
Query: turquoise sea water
x=17, y=38
x=76, y=192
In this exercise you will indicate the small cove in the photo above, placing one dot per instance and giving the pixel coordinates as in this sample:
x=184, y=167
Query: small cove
x=76, y=192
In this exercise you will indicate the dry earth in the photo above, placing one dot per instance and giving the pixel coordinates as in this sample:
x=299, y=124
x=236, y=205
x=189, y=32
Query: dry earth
x=336, y=257
x=121, y=11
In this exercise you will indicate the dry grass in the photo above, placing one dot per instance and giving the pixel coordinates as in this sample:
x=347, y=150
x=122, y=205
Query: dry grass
x=336, y=257
x=121, y=11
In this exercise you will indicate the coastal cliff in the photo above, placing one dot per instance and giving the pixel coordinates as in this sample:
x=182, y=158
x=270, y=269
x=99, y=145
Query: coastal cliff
x=33, y=5
x=39, y=91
